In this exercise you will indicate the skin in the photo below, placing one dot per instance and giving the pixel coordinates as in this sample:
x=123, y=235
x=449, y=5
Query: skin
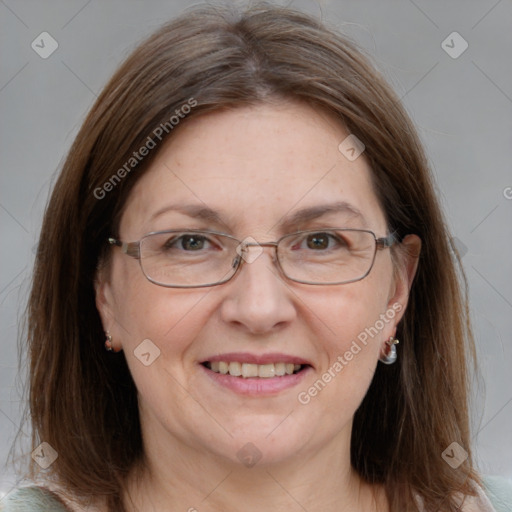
x=193, y=428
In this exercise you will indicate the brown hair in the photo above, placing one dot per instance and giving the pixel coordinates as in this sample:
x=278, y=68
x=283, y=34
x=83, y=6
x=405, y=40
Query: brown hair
x=83, y=400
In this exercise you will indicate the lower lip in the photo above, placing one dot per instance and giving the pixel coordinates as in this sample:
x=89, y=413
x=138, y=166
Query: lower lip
x=257, y=386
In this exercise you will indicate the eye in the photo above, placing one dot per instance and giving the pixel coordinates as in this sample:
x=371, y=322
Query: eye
x=318, y=241
x=187, y=242
x=321, y=241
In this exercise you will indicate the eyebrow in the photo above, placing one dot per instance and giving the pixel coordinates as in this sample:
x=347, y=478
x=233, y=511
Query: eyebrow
x=196, y=211
x=314, y=212
x=286, y=223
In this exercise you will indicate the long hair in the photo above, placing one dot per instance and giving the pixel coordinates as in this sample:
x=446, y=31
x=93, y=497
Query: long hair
x=83, y=401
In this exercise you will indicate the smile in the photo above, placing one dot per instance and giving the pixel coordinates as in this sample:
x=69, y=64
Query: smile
x=248, y=370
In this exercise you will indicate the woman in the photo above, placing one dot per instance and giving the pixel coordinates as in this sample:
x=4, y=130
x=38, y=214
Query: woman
x=246, y=223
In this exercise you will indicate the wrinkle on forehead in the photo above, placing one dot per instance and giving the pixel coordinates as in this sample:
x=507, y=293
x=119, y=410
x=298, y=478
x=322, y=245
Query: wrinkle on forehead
x=257, y=165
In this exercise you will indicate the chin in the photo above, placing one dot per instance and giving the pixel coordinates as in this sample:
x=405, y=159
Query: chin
x=263, y=441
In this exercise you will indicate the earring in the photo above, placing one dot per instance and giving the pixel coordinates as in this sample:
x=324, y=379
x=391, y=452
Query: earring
x=389, y=354
x=108, y=342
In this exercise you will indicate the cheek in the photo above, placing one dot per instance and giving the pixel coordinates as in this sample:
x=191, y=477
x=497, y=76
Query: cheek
x=356, y=323
x=353, y=312
x=169, y=317
x=159, y=346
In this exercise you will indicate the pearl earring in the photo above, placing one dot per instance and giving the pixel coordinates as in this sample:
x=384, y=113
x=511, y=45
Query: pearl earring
x=389, y=354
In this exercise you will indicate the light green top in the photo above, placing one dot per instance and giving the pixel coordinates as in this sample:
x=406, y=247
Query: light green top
x=32, y=499
x=35, y=499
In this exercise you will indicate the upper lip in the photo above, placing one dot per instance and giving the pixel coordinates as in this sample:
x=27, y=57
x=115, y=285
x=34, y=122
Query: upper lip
x=246, y=357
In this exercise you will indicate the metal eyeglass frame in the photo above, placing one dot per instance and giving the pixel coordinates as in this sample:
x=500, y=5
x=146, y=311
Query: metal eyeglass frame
x=132, y=249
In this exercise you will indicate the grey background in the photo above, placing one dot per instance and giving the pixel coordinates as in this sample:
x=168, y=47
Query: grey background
x=462, y=108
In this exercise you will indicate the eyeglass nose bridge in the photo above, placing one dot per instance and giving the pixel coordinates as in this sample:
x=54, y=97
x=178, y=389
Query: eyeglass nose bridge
x=257, y=244
x=246, y=256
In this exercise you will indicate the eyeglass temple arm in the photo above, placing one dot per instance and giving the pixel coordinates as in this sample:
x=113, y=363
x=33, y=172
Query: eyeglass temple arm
x=387, y=241
x=130, y=248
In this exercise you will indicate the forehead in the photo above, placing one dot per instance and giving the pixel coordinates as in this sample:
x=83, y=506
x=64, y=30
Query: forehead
x=254, y=167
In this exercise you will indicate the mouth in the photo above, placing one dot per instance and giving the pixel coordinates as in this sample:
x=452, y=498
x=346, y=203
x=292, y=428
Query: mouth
x=246, y=370
x=256, y=375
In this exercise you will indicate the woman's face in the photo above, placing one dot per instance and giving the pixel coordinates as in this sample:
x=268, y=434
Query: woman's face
x=255, y=167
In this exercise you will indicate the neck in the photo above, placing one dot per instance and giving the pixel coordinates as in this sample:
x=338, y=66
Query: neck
x=194, y=479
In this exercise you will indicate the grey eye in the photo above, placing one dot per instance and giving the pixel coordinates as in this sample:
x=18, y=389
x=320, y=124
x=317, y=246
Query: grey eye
x=192, y=242
x=188, y=242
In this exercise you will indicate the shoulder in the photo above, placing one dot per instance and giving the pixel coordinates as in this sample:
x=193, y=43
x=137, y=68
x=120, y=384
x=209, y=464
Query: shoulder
x=32, y=499
x=495, y=495
x=499, y=492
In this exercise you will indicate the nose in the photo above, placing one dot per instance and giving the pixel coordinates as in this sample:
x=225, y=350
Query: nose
x=257, y=299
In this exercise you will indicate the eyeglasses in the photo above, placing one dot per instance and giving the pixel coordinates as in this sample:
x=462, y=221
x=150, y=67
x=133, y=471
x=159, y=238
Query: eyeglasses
x=199, y=258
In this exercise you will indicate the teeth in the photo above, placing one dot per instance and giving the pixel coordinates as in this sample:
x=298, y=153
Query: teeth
x=266, y=370
x=235, y=369
x=280, y=369
x=247, y=370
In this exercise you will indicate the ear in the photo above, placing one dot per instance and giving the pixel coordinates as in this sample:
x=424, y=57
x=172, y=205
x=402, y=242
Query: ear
x=104, y=297
x=406, y=266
